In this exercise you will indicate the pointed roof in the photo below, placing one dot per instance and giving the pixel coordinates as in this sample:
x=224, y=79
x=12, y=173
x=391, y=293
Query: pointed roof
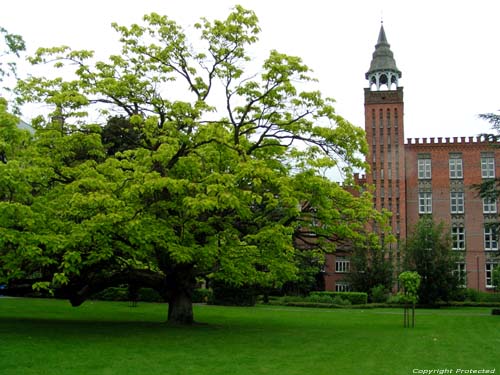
x=383, y=58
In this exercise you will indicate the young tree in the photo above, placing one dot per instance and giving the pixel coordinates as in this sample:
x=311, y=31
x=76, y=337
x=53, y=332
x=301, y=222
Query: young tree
x=428, y=252
x=218, y=179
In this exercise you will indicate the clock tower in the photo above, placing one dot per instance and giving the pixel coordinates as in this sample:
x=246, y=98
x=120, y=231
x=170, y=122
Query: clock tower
x=384, y=126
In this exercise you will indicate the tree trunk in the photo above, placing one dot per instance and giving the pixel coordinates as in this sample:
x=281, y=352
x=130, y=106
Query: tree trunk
x=180, y=283
x=180, y=308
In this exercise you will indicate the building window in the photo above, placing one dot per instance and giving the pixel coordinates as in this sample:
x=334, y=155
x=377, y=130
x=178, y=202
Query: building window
x=424, y=202
x=458, y=237
x=490, y=239
x=489, y=206
x=342, y=286
x=456, y=167
x=489, y=268
x=461, y=273
x=457, y=202
x=342, y=265
x=424, y=169
x=487, y=167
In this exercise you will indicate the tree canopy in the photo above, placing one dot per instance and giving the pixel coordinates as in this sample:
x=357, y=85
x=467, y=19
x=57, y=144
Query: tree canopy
x=202, y=168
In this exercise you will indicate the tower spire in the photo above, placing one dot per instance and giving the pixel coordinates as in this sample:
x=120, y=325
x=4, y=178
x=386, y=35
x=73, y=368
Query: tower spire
x=383, y=70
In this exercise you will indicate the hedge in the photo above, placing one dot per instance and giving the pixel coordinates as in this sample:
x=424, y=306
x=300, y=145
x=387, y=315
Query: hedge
x=228, y=295
x=146, y=295
x=355, y=298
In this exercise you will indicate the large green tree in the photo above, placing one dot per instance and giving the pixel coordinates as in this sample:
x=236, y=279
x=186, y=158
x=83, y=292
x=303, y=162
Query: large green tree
x=428, y=252
x=204, y=169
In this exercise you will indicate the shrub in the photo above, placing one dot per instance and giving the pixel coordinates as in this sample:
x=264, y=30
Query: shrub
x=378, y=294
x=355, y=298
x=228, y=295
x=338, y=300
x=473, y=295
x=318, y=299
x=122, y=294
x=150, y=295
x=202, y=295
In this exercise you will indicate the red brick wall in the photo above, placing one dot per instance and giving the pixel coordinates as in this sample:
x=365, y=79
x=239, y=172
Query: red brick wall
x=473, y=218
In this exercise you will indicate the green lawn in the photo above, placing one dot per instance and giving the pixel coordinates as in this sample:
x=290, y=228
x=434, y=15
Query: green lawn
x=50, y=337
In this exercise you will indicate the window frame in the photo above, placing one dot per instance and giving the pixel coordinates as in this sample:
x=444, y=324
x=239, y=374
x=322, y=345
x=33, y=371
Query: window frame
x=489, y=206
x=457, y=202
x=456, y=167
x=489, y=267
x=487, y=166
x=342, y=286
x=458, y=238
x=424, y=168
x=342, y=265
x=425, y=202
x=490, y=239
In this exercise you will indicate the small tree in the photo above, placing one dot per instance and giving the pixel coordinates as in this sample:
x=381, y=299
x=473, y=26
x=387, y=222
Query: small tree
x=428, y=252
x=410, y=282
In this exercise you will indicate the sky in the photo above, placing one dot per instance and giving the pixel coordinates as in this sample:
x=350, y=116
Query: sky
x=447, y=50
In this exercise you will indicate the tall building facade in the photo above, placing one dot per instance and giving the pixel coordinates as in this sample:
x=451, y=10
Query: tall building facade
x=425, y=176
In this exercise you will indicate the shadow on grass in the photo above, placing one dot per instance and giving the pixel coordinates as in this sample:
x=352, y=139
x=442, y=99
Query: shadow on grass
x=105, y=328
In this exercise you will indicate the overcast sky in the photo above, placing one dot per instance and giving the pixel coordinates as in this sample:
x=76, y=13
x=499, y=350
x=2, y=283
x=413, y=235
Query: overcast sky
x=448, y=51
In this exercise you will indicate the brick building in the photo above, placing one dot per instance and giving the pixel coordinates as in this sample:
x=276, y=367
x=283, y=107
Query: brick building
x=434, y=176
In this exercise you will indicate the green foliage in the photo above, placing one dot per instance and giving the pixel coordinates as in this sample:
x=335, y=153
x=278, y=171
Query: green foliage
x=495, y=279
x=428, y=252
x=370, y=267
x=410, y=282
x=379, y=294
x=355, y=298
x=11, y=45
x=202, y=295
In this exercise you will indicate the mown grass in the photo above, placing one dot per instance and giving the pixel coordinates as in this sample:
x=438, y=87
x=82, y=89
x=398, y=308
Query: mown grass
x=50, y=337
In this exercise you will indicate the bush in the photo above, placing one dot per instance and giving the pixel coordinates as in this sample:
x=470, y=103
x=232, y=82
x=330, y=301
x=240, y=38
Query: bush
x=338, y=300
x=202, y=295
x=473, y=295
x=150, y=295
x=122, y=294
x=355, y=298
x=112, y=294
x=228, y=295
x=318, y=299
x=378, y=294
